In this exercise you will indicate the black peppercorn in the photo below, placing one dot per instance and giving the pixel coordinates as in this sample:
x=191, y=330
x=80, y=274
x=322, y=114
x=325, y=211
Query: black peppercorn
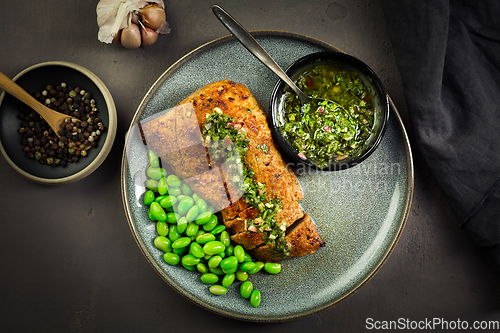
x=39, y=140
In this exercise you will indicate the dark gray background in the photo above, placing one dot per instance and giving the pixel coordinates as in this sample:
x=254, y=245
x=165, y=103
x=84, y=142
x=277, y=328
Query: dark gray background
x=69, y=262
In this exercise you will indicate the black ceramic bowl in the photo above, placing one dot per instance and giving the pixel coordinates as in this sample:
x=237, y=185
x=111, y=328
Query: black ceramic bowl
x=33, y=79
x=381, y=107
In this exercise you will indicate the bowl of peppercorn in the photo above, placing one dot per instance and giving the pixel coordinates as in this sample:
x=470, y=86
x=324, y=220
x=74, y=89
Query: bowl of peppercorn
x=32, y=148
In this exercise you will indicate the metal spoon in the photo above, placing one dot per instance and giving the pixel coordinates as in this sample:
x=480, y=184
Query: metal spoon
x=244, y=37
x=53, y=118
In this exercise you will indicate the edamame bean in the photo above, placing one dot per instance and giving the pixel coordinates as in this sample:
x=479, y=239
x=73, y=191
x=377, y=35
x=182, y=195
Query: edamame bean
x=162, y=228
x=246, y=289
x=196, y=250
x=211, y=224
x=163, y=243
x=168, y=201
x=247, y=266
x=202, y=204
x=189, y=268
x=218, y=290
x=209, y=278
x=162, y=186
x=203, y=218
x=230, y=271
x=229, y=263
x=258, y=266
x=190, y=260
x=181, y=197
x=255, y=298
x=214, y=261
x=272, y=267
x=216, y=270
x=152, y=185
x=154, y=161
x=228, y=280
x=156, y=173
x=150, y=215
x=205, y=238
x=158, y=212
x=247, y=257
x=218, y=229
x=149, y=197
x=186, y=189
x=182, y=225
x=192, y=213
x=159, y=198
x=173, y=234
x=181, y=251
x=175, y=191
x=239, y=253
x=213, y=247
x=173, y=217
x=229, y=249
x=181, y=242
x=225, y=239
x=171, y=258
x=202, y=268
x=241, y=276
x=192, y=229
x=184, y=205
x=173, y=181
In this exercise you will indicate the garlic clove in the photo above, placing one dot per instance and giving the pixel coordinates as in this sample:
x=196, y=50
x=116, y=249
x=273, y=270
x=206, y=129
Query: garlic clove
x=153, y=16
x=131, y=36
x=148, y=36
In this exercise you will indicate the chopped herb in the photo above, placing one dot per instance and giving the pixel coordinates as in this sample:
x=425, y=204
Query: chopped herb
x=263, y=147
x=227, y=142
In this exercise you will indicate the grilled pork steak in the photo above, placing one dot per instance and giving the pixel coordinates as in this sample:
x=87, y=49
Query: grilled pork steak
x=178, y=138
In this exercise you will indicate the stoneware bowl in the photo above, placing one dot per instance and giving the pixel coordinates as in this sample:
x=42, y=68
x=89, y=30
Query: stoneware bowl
x=33, y=79
x=381, y=106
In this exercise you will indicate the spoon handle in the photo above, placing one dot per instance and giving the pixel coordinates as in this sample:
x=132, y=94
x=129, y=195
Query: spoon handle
x=244, y=37
x=53, y=118
x=12, y=88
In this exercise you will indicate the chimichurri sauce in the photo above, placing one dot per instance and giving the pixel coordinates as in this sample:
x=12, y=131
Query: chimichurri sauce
x=328, y=132
x=228, y=143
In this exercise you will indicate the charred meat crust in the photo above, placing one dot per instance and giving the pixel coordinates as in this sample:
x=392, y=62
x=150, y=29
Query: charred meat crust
x=176, y=138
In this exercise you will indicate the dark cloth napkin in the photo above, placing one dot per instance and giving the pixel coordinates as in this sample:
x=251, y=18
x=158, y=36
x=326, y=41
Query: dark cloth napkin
x=448, y=54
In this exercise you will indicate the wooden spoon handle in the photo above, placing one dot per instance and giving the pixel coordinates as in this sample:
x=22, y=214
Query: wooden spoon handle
x=53, y=118
x=12, y=88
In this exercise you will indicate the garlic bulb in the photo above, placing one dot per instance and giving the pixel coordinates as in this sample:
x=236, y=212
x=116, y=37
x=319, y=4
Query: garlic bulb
x=113, y=16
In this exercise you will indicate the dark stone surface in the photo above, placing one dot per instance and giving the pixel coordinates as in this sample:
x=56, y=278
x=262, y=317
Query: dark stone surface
x=69, y=262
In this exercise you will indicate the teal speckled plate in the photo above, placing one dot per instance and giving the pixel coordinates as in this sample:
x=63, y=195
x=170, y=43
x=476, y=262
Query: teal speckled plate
x=360, y=212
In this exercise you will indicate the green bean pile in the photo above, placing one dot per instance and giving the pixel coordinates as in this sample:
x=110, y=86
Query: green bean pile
x=189, y=235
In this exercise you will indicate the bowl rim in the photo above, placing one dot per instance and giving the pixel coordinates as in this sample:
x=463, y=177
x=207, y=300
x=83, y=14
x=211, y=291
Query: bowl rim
x=290, y=71
x=111, y=130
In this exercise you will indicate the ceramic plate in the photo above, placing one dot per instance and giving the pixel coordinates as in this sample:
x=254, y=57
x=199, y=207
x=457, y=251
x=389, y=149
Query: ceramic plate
x=360, y=212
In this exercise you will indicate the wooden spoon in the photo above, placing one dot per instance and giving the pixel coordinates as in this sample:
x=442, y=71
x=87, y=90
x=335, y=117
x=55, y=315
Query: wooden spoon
x=53, y=118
